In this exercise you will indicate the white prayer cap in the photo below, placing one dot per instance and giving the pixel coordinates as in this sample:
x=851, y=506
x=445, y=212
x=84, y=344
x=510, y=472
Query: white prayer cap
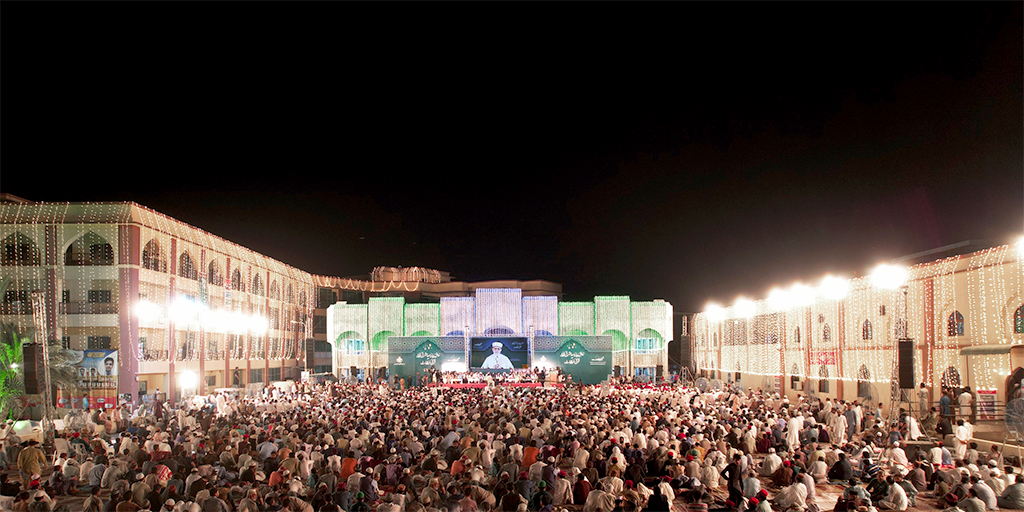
x=497, y=344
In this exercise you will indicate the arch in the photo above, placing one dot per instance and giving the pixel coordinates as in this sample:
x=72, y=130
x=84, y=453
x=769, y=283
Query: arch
x=89, y=249
x=257, y=285
x=500, y=330
x=863, y=384
x=866, y=332
x=541, y=332
x=456, y=333
x=1018, y=320
x=275, y=290
x=186, y=268
x=153, y=258
x=20, y=250
x=619, y=339
x=951, y=378
x=379, y=341
x=955, y=324
x=649, y=340
x=577, y=332
x=214, y=274
x=290, y=297
x=236, y=280
x=796, y=335
x=771, y=339
x=421, y=333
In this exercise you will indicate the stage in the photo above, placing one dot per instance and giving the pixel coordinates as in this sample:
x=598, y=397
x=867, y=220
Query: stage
x=481, y=385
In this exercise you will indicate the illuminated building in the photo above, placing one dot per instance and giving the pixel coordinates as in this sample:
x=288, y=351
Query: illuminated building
x=964, y=315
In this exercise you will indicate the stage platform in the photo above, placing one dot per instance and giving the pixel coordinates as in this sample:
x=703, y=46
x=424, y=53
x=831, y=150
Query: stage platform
x=481, y=385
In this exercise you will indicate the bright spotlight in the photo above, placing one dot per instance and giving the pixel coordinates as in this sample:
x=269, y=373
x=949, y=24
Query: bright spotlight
x=889, y=276
x=188, y=379
x=258, y=325
x=801, y=295
x=715, y=312
x=1020, y=247
x=779, y=299
x=834, y=288
x=744, y=308
x=147, y=311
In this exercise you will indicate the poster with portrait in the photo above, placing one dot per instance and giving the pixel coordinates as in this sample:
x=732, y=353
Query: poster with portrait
x=97, y=381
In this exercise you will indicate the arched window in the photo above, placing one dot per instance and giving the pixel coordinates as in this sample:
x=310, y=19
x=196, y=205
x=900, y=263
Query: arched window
x=955, y=324
x=153, y=258
x=826, y=334
x=1018, y=320
x=823, y=379
x=291, y=294
x=863, y=386
x=275, y=290
x=89, y=249
x=20, y=250
x=236, y=280
x=951, y=378
x=257, y=285
x=214, y=275
x=796, y=335
x=865, y=330
x=186, y=268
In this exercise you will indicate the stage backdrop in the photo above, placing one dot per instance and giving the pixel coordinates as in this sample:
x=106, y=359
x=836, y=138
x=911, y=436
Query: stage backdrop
x=410, y=354
x=586, y=358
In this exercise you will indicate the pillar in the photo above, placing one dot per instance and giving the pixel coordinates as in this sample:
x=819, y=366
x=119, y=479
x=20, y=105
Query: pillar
x=128, y=262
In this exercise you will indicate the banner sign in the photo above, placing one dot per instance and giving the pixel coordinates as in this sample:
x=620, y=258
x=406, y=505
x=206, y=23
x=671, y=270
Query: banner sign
x=587, y=358
x=986, y=404
x=408, y=355
x=97, y=381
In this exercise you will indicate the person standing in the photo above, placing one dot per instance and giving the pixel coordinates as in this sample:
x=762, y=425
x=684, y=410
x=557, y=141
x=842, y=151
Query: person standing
x=964, y=401
x=30, y=462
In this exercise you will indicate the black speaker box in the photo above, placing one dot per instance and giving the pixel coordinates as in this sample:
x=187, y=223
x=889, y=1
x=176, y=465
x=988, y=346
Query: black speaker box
x=33, y=359
x=906, y=363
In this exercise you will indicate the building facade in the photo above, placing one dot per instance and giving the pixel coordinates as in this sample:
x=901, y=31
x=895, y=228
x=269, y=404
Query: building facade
x=640, y=331
x=963, y=315
x=170, y=298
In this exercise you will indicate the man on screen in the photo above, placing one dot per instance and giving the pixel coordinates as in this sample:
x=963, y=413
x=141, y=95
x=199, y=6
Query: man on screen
x=496, y=360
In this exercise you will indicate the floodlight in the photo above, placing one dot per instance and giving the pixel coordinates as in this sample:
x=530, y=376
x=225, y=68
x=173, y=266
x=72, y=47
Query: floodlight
x=834, y=288
x=889, y=276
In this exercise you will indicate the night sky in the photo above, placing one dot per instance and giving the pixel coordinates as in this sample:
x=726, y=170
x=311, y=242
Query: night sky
x=689, y=152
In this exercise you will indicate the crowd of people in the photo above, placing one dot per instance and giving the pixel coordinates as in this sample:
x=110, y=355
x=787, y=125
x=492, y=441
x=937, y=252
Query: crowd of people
x=613, y=447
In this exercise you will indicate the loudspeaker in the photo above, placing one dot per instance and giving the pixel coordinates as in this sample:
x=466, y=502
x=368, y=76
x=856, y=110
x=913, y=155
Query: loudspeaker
x=310, y=345
x=685, y=354
x=906, y=363
x=617, y=371
x=657, y=371
x=34, y=371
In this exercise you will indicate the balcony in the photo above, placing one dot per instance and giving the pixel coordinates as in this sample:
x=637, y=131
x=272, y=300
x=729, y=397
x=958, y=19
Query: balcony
x=88, y=308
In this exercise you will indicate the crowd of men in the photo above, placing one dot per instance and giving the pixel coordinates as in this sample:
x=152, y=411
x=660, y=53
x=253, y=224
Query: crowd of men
x=606, y=448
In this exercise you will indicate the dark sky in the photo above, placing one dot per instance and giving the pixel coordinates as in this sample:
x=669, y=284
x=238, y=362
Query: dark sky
x=690, y=152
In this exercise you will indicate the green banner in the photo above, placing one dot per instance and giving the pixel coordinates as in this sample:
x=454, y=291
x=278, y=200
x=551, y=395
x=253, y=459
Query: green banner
x=410, y=354
x=587, y=358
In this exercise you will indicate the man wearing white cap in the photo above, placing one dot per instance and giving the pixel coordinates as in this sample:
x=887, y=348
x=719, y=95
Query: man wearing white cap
x=497, y=360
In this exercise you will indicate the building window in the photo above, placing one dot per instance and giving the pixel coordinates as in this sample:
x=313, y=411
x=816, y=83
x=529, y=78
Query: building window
x=1018, y=320
x=355, y=347
x=211, y=381
x=257, y=285
x=274, y=374
x=16, y=302
x=865, y=330
x=823, y=379
x=65, y=296
x=236, y=280
x=65, y=342
x=826, y=334
x=796, y=335
x=214, y=275
x=186, y=268
x=102, y=296
x=256, y=375
x=20, y=250
x=98, y=343
x=951, y=378
x=153, y=258
x=647, y=345
x=955, y=324
x=89, y=249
